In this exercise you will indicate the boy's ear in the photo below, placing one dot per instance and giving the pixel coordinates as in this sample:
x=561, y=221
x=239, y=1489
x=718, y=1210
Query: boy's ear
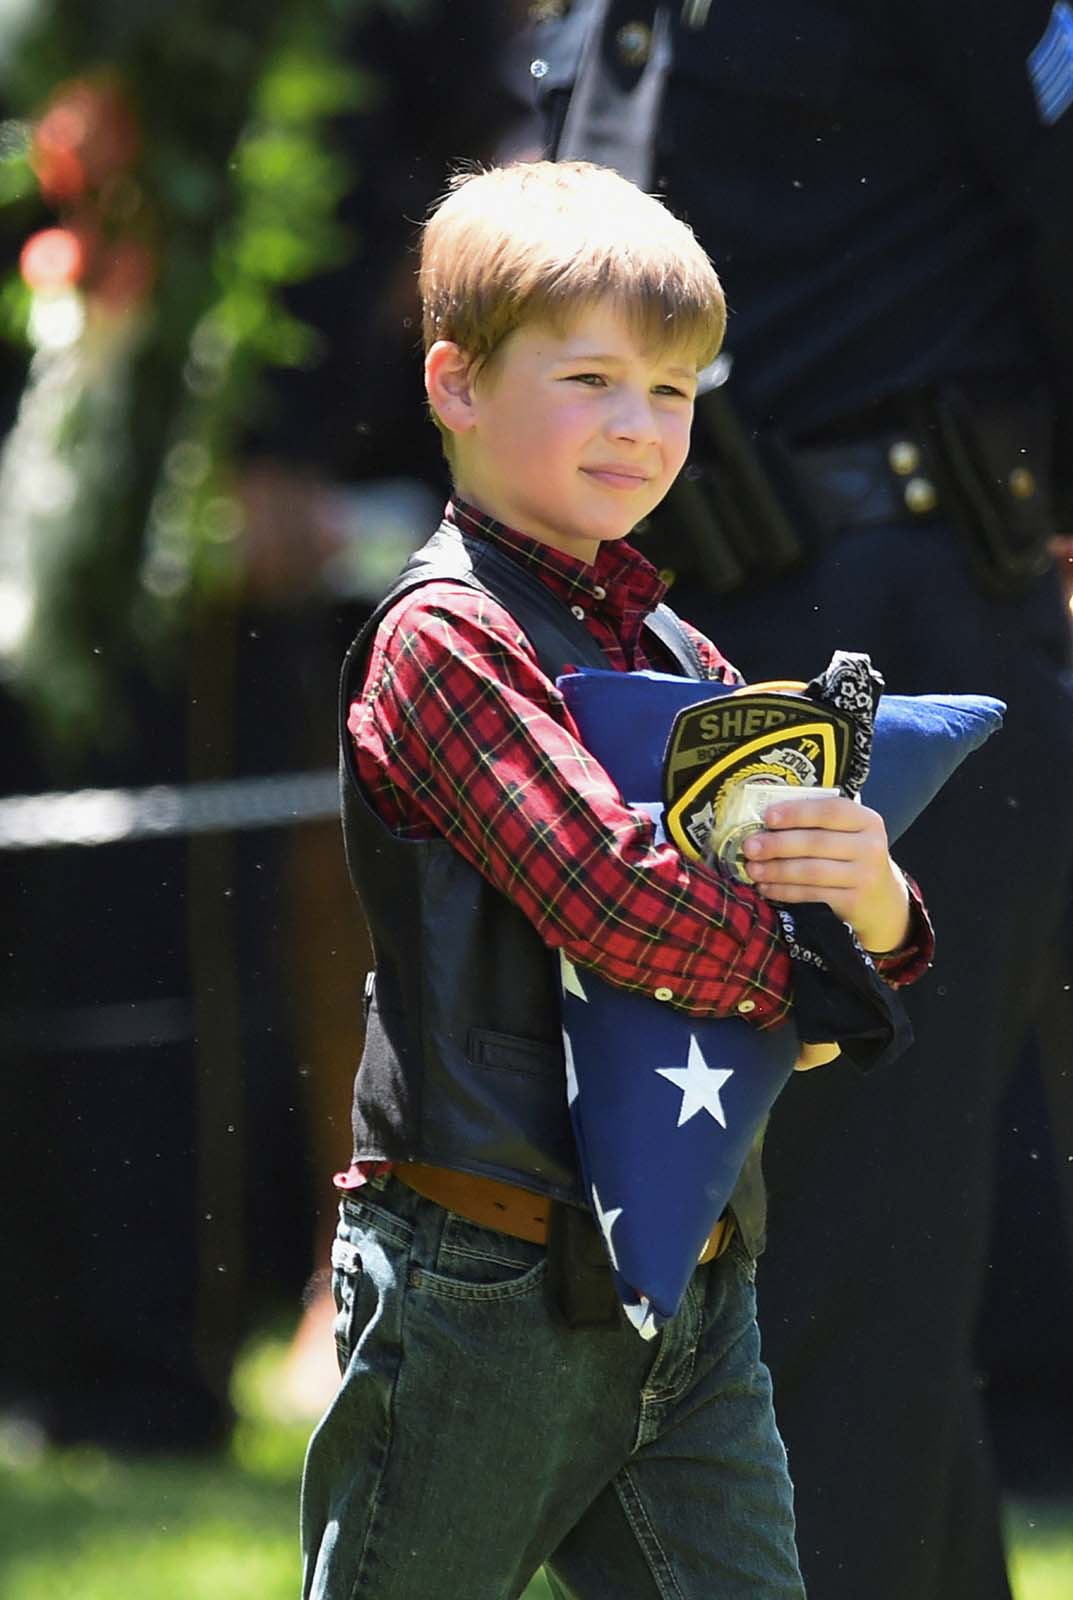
x=449, y=385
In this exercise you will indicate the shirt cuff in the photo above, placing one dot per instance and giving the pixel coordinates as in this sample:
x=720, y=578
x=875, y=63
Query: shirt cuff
x=914, y=956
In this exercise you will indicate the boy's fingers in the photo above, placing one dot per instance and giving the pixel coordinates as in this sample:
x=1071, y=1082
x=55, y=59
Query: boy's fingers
x=828, y=843
x=842, y=815
x=831, y=813
x=815, y=873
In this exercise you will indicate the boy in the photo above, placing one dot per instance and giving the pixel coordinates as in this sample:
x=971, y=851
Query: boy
x=477, y=1434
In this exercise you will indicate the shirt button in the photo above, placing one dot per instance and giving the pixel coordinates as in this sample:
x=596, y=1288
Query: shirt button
x=663, y=993
x=745, y=1006
x=600, y=593
x=577, y=612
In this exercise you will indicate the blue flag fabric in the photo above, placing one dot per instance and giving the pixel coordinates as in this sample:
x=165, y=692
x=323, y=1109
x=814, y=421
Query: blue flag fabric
x=665, y=1107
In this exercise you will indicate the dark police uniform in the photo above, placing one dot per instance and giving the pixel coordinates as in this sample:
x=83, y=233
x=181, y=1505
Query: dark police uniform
x=887, y=193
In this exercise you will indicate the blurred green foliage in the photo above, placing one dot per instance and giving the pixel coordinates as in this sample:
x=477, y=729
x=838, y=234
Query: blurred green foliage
x=119, y=471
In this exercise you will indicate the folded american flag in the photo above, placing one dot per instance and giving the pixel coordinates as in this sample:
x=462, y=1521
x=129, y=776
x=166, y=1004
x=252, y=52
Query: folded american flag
x=653, y=1090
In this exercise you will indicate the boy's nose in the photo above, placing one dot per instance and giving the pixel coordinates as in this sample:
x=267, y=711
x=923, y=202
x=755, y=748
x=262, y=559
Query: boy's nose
x=635, y=420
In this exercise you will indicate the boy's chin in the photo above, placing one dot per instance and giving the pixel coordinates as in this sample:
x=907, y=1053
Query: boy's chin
x=613, y=535
x=610, y=529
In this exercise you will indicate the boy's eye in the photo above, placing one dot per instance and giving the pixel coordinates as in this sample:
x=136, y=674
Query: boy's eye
x=597, y=379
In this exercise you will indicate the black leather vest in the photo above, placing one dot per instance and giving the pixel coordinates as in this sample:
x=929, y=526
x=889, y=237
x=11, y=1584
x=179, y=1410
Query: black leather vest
x=463, y=1061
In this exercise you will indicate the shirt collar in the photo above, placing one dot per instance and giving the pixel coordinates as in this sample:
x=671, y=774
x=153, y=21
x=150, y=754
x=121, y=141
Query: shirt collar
x=620, y=578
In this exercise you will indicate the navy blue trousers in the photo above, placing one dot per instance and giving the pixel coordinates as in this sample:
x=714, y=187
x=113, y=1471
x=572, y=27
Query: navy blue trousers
x=880, y=1186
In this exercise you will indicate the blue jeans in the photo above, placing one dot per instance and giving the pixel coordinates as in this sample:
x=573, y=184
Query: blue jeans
x=475, y=1437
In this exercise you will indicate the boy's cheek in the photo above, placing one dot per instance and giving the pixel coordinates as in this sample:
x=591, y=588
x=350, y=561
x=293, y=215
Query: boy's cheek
x=680, y=454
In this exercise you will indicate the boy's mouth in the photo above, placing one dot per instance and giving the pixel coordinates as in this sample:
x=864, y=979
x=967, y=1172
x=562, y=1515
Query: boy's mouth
x=617, y=477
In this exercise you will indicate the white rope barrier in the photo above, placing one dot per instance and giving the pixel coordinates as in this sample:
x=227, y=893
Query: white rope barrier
x=114, y=816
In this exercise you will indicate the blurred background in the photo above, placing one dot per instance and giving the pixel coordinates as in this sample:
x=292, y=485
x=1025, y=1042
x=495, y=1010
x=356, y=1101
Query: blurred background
x=213, y=455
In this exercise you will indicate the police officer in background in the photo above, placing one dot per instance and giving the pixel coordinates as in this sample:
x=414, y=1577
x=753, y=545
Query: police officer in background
x=887, y=193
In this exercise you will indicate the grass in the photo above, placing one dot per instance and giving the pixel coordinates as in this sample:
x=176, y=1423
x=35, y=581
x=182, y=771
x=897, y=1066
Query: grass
x=88, y=1526
x=1040, y=1541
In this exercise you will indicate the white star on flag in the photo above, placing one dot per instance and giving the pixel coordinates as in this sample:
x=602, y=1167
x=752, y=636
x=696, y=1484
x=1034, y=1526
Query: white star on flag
x=571, y=1071
x=700, y=1084
x=607, y=1220
x=571, y=981
x=642, y=1318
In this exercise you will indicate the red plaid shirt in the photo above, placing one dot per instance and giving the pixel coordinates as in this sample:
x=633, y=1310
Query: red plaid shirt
x=459, y=733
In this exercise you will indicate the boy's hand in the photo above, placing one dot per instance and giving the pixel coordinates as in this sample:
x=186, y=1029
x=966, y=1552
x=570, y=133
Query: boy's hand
x=816, y=1055
x=834, y=851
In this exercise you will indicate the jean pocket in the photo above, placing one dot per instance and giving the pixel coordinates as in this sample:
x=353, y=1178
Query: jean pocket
x=475, y=1263
x=347, y=1275
x=743, y=1260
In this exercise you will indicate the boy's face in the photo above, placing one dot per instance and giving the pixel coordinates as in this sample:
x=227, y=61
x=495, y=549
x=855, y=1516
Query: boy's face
x=576, y=435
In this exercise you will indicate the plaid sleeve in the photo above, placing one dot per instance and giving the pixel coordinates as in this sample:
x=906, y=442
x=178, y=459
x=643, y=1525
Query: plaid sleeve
x=476, y=742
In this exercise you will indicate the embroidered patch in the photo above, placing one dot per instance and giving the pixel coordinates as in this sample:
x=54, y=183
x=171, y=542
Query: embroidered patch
x=719, y=748
x=1050, y=65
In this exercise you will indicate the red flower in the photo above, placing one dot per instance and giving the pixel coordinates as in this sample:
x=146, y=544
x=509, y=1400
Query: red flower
x=54, y=258
x=87, y=132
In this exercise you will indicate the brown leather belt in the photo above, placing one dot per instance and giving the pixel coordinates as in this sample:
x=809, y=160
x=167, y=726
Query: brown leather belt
x=508, y=1208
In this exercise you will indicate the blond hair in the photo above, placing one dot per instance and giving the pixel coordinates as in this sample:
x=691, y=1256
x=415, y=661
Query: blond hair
x=536, y=241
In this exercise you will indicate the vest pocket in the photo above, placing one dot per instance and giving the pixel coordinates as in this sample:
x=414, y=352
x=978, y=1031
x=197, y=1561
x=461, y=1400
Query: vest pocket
x=509, y=1052
x=499, y=1107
